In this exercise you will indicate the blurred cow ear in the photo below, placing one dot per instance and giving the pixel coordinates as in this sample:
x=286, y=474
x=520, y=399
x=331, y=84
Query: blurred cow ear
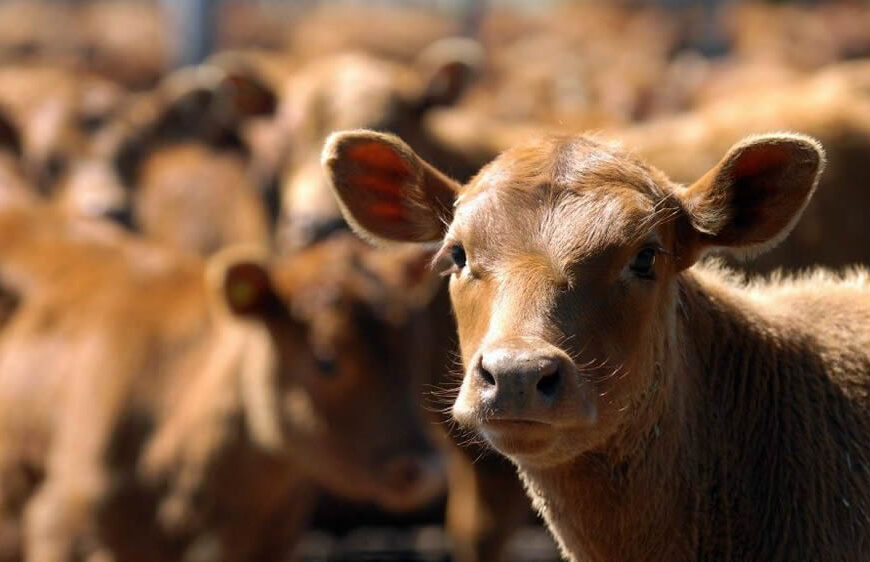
x=755, y=195
x=386, y=191
x=240, y=278
x=247, y=95
x=448, y=67
x=209, y=102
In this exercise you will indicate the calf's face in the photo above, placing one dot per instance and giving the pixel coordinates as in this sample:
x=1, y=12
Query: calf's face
x=564, y=256
x=349, y=400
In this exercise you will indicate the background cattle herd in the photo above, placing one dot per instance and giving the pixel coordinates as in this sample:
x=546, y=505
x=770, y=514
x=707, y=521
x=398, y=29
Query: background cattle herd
x=199, y=361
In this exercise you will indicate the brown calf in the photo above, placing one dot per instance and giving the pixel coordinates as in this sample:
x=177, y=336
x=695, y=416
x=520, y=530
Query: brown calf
x=656, y=408
x=181, y=154
x=55, y=111
x=154, y=407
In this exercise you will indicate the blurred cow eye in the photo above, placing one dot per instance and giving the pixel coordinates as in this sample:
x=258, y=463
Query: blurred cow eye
x=326, y=365
x=644, y=262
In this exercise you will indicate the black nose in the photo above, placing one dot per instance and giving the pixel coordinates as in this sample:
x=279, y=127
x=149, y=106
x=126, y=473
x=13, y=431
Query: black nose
x=521, y=372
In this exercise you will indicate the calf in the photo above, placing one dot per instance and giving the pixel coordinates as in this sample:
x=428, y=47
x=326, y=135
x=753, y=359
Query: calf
x=181, y=155
x=656, y=408
x=154, y=407
x=56, y=112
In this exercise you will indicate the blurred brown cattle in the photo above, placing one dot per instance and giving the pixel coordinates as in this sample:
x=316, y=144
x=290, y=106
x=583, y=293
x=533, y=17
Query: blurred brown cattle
x=577, y=66
x=800, y=35
x=56, y=112
x=123, y=41
x=183, y=159
x=352, y=90
x=394, y=32
x=834, y=106
x=154, y=407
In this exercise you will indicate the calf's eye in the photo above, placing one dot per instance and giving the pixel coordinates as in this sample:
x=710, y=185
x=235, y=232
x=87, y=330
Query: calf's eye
x=457, y=254
x=326, y=366
x=644, y=262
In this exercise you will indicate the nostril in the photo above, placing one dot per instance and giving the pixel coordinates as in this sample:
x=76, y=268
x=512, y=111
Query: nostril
x=486, y=376
x=548, y=384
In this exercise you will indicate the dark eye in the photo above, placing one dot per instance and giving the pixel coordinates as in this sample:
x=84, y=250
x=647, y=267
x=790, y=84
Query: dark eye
x=91, y=123
x=644, y=263
x=326, y=365
x=457, y=254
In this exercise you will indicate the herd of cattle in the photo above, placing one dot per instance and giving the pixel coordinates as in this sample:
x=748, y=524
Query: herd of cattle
x=194, y=345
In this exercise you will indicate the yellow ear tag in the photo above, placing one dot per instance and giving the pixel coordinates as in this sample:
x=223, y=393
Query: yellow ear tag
x=242, y=294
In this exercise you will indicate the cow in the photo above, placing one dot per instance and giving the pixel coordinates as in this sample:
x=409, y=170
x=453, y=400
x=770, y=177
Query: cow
x=155, y=406
x=657, y=407
x=181, y=158
x=55, y=111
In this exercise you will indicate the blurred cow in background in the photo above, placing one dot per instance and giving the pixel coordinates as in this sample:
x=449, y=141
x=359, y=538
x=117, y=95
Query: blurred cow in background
x=350, y=90
x=156, y=407
x=181, y=156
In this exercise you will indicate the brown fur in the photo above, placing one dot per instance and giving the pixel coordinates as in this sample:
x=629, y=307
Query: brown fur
x=352, y=90
x=190, y=408
x=200, y=199
x=687, y=415
x=56, y=111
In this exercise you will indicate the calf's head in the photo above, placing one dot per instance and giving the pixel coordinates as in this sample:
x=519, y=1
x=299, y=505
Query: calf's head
x=565, y=258
x=342, y=397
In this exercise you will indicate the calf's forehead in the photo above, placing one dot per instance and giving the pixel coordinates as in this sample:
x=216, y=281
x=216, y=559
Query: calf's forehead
x=561, y=194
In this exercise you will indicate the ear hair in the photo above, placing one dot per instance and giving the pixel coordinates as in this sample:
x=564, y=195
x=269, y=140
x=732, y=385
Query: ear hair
x=752, y=199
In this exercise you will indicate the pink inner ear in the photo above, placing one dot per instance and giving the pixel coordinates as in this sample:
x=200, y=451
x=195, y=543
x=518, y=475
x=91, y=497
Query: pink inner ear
x=391, y=210
x=760, y=159
x=384, y=184
x=378, y=156
x=382, y=175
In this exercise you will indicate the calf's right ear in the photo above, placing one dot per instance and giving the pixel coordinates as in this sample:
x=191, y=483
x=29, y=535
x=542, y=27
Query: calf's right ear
x=386, y=191
x=753, y=197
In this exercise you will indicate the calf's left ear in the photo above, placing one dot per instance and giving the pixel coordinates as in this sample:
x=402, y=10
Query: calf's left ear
x=751, y=200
